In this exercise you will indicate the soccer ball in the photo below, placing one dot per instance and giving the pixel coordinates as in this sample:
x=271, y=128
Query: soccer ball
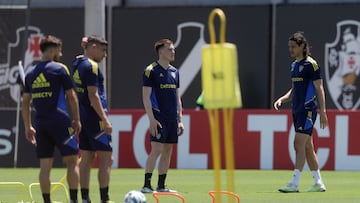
x=134, y=197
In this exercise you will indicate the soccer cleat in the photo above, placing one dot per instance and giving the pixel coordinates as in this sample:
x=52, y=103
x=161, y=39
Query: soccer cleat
x=289, y=188
x=147, y=190
x=317, y=188
x=165, y=190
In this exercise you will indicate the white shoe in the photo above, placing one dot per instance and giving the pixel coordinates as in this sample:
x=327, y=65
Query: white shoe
x=317, y=188
x=289, y=188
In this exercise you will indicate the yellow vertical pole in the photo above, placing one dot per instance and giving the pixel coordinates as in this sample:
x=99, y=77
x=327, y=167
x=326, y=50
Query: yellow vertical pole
x=221, y=91
x=214, y=114
x=229, y=149
x=215, y=144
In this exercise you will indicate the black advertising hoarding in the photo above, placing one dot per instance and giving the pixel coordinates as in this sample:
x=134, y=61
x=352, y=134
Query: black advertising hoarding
x=67, y=24
x=136, y=30
x=334, y=35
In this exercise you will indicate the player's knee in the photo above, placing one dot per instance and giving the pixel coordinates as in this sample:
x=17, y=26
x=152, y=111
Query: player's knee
x=298, y=146
x=70, y=161
x=107, y=160
x=156, y=151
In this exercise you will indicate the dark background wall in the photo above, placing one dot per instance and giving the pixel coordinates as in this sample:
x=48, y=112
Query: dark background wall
x=318, y=21
x=136, y=30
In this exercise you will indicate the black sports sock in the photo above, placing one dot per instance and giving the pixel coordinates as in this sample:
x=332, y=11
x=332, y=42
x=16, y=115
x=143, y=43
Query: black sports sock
x=147, y=182
x=73, y=194
x=161, y=181
x=85, y=194
x=46, y=197
x=104, y=194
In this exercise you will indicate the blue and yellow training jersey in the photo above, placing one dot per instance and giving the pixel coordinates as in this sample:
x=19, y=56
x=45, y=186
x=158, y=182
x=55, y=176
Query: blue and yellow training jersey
x=303, y=73
x=164, y=84
x=86, y=72
x=46, y=84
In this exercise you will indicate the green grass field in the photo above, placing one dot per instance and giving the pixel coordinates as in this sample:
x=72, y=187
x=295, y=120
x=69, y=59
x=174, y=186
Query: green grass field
x=253, y=186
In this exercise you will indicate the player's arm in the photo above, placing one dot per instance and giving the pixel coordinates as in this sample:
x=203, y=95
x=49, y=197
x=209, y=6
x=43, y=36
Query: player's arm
x=95, y=101
x=73, y=102
x=146, y=93
x=284, y=99
x=180, y=122
x=320, y=93
x=26, y=114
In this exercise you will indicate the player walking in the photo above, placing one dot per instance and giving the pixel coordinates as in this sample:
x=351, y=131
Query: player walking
x=307, y=95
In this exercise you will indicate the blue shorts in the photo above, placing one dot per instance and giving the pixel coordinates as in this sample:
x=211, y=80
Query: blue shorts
x=92, y=136
x=168, y=133
x=54, y=132
x=304, y=121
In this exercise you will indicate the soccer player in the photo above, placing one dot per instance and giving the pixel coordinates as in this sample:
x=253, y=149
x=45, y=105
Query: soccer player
x=96, y=135
x=50, y=87
x=307, y=96
x=163, y=107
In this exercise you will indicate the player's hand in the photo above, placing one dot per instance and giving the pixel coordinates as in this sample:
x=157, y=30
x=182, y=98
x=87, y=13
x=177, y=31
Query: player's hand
x=323, y=120
x=154, y=127
x=277, y=104
x=108, y=127
x=30, y=135
x=180, y=130
x=76, y=125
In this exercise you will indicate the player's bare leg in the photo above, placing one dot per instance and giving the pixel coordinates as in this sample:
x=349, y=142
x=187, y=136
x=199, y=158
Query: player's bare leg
x=44, y=177
x=156, y=149
x=311, y=157
x=87, y=160
x=165, y=157
x=299, y=146
x=105, y=162
x=313, y=163
x=164, y=164
x=72, y=171
x=72, y=175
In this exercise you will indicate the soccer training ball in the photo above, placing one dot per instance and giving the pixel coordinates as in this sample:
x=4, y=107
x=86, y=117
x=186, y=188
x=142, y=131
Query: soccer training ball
x=134, y=197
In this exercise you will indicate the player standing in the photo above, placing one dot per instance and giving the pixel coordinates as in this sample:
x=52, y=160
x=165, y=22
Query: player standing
x=50, y=87
x=96, y=135
x=163, y=106
x=307, y=95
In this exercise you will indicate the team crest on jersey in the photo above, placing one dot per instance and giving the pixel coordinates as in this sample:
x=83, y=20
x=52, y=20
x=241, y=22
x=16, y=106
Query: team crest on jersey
x=342, y=65
x=9, y=69
x=301, y=68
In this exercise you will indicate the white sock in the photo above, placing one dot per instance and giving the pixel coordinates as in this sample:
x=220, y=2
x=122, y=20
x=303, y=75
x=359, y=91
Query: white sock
x=296, y=177
x=317, y=177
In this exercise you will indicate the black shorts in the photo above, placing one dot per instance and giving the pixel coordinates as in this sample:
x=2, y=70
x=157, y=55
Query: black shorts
x=92, y=136
x=304, y=121
x=54, y=132
x=169, y=131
